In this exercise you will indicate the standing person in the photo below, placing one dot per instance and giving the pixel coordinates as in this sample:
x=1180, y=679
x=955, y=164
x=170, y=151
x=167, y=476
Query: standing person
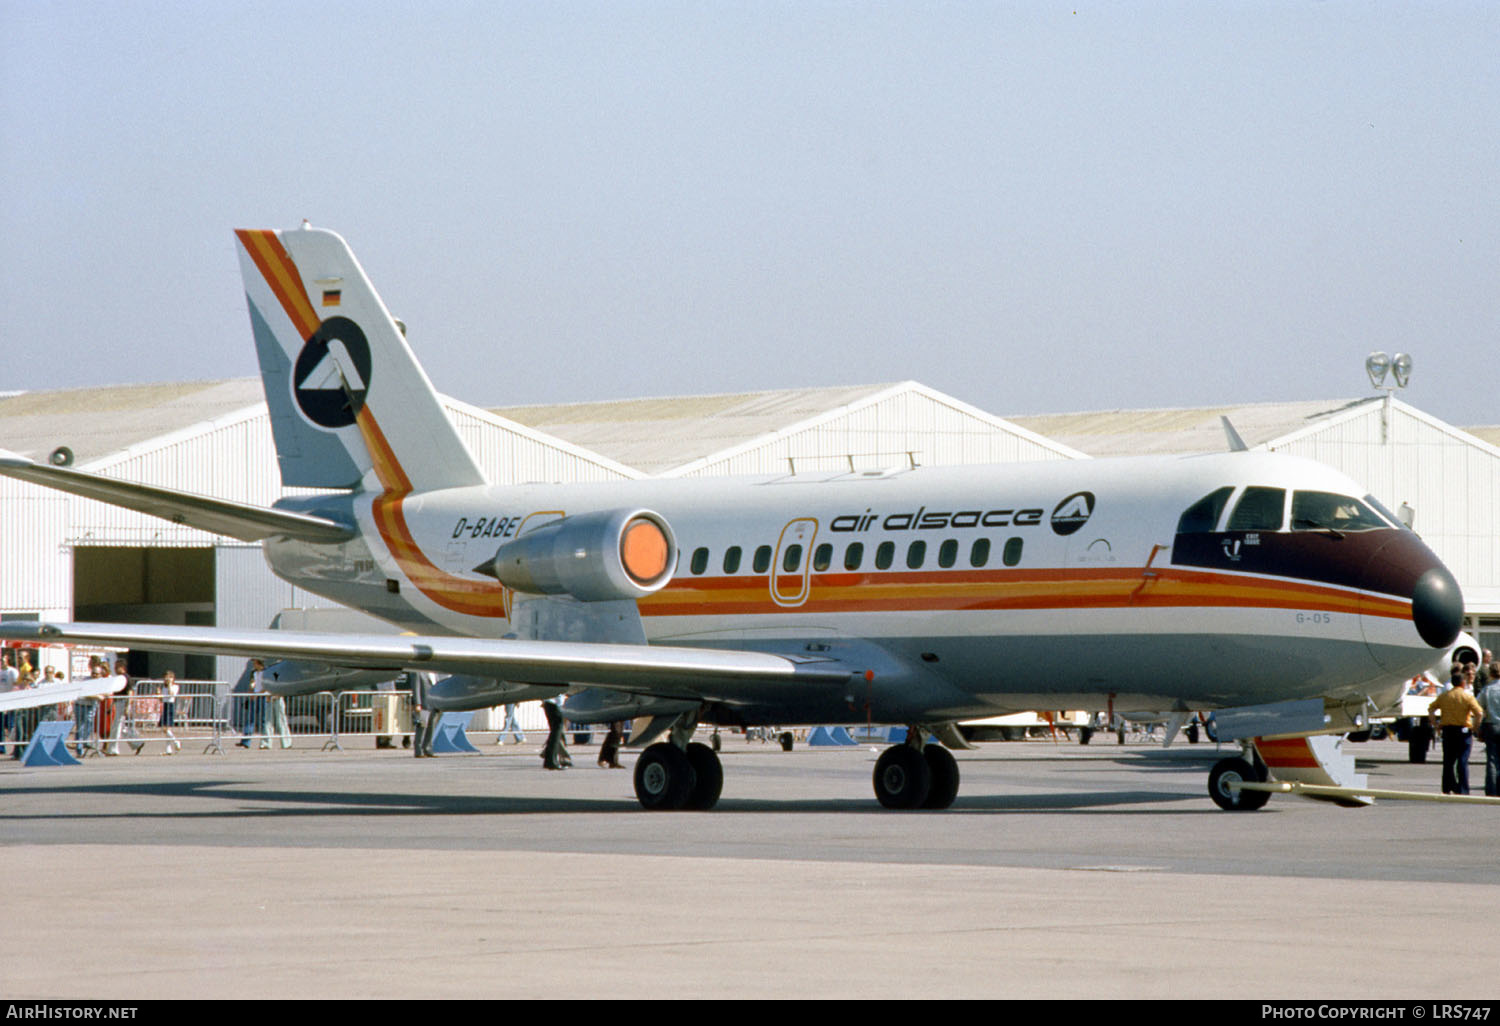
x=276, y=725
x=555, y=751
x=169, y=711
x=1489, y=730
x=119, y=710
x=255, y=709
x=10, y=680
x=424, y=717
x=512, y=726
x=1455, y=709
x=85, y=710
x=609, y=751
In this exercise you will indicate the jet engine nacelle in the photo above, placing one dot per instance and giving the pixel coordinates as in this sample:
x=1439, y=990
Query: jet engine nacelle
x=595, y=557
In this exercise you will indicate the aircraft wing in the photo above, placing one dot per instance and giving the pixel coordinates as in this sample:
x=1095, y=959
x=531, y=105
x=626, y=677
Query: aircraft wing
x=219, y=516
x=53, y=694
x=645, y=669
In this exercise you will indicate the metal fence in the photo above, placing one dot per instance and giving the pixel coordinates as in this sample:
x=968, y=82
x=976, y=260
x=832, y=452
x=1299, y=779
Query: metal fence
x=206, y=713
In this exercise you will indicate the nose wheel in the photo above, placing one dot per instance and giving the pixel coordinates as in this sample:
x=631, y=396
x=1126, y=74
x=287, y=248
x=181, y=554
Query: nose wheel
x=1223, y=781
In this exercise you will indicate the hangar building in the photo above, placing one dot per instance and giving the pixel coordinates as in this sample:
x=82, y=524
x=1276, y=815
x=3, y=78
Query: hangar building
x=63, y=557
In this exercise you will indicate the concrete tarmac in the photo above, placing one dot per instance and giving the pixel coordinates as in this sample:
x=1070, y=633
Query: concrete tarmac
x=1061, y=871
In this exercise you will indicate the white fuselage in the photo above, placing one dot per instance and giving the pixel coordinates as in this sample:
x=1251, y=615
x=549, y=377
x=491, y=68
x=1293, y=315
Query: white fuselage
x=989, y=588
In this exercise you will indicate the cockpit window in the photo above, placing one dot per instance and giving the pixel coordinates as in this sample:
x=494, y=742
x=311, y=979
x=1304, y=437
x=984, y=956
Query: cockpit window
x=1203, y=516
x=1259, y=509
x=1325, y=511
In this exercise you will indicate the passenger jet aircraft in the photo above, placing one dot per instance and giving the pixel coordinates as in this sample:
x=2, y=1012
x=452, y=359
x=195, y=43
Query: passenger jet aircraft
x=917, y=597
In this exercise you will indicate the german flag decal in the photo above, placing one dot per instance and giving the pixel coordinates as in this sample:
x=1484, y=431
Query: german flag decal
x=331, y=297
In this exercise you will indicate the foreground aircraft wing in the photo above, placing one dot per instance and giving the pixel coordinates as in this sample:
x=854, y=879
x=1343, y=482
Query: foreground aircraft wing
x=646, y=669
x=218, y=516
x=53, y=694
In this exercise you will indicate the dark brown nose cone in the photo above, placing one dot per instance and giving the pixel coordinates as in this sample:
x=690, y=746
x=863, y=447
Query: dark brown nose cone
x=1437, y=607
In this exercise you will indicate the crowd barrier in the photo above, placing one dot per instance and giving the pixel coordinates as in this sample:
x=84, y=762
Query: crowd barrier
x=206, y=713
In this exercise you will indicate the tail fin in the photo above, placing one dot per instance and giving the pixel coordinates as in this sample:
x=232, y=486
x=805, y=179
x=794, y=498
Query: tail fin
x=346, y=395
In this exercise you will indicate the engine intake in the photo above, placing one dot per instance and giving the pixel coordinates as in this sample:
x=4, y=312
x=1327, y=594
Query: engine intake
x=595, y=557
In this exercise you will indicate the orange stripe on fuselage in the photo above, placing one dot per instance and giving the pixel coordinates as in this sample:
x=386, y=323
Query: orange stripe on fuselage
x=459, y=594
x=949, y=591
x=281, y=274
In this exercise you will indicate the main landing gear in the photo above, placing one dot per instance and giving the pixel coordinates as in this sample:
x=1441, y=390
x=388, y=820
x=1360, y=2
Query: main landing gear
x=916, y=776
x=683, y=775
x=679, y=774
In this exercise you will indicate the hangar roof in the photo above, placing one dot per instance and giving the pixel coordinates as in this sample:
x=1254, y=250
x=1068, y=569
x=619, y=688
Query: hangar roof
x=1189, y=430
x=655, y=435
x=676, y=433
x=95, y=422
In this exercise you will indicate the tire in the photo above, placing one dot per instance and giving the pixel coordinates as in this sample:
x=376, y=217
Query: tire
x=787, y=741
x=708, y=777
x=1085, y=735
x=902, y=778
x=664, y=778
x=1227, y=771
x=944, y=770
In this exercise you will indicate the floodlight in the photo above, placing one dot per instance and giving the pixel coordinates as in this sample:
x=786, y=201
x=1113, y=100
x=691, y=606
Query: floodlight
x=1376, y=365
x=1401, y=368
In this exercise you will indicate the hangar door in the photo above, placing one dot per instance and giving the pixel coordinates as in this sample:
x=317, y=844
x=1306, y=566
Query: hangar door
x=175, y=586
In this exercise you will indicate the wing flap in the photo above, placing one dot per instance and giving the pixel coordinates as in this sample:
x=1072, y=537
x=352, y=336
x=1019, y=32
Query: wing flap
x=218, y=516
x=644, y=669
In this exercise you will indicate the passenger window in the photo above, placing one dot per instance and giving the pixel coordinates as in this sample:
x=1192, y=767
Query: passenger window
x=822, y=557
x=885, y=555
x=916, y=554
x=700, y=561
x=1011, y=554
x=854, y=555
x=948, y=553
x=793, y=558
x=1259, y=509
x=979, y=555
x=1313, y=511
x=1203, y=516
x=762, y=559
x=732, y=559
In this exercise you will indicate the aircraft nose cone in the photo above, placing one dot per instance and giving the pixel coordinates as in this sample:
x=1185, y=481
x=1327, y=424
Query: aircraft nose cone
x=1437, y=607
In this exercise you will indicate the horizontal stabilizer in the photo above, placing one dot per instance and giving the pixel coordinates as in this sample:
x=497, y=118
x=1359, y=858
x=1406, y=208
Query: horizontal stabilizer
x=54, y=694
x=217, y=516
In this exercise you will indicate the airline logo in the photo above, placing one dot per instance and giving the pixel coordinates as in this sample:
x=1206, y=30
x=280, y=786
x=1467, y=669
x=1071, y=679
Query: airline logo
x=1073, y=512
x=332, y=375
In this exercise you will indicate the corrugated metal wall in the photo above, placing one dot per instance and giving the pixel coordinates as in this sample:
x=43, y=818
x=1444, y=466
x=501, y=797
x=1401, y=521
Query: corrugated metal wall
x=509, y=455
x=247, y=594
x=36, y=571
x=230, y=458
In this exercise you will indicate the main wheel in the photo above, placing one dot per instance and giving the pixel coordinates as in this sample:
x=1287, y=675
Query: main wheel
x=902, y=778
x=664, y=777
x=944, y=770
x=1234, y=771
x=708, y=774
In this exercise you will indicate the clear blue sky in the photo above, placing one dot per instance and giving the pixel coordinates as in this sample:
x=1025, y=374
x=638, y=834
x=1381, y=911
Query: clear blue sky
x=1033, y=206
